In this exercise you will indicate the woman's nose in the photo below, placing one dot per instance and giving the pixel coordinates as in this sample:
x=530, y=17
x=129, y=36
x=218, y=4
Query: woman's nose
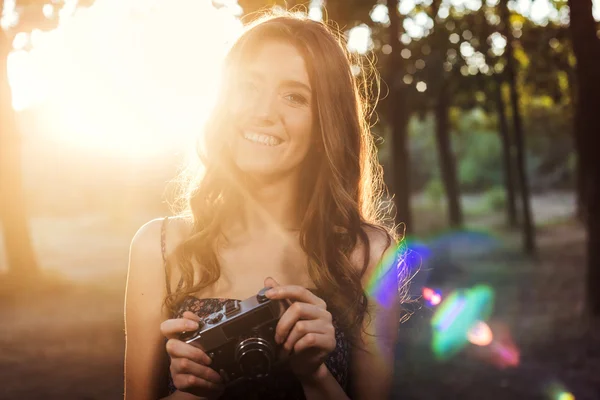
x=263, y=108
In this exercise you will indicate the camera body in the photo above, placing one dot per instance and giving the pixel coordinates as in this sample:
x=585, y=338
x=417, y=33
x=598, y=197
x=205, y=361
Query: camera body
x=240, y=338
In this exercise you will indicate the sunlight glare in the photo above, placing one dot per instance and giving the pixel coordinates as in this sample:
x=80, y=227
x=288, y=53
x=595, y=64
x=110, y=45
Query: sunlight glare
x=129, y=90
x=10, y=16
x=359, y=39
x=380, y=15
x=406, y=6
x=315, y=10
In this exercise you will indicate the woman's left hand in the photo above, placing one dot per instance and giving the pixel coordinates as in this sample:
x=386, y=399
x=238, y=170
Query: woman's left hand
x=305, y=328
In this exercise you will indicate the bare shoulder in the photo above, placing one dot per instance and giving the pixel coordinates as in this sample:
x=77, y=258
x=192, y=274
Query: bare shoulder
x=147, y=237
x=147, y=240
x=379, y=241
x=145, y=261
x=146, y=266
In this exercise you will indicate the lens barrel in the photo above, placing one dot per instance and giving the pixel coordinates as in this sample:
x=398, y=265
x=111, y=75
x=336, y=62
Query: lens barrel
x=255, y=356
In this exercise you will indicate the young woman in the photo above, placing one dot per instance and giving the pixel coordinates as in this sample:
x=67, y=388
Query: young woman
x=288, y=199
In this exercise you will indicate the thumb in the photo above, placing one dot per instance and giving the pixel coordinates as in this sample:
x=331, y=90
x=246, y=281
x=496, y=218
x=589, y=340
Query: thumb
x=191, y=315
x=270, y=282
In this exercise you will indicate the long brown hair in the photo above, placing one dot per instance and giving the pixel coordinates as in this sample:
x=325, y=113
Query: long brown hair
x=342, y=182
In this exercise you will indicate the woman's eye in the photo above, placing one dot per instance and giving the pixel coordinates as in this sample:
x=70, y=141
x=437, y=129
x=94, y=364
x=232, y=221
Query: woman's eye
x=296, y=98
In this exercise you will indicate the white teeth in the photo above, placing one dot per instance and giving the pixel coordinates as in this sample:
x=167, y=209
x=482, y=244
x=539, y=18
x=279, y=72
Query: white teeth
x=266, y=140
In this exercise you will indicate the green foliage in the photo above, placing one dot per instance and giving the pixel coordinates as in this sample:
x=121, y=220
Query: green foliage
x=478, y=148
x=435, y=192
x=423, y=151
x=495, y=199
x=479, y=160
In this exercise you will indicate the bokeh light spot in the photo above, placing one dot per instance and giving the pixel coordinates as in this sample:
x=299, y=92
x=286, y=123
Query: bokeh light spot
x=480, y=334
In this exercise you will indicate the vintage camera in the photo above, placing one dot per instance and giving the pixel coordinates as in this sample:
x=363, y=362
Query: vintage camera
x=240, y=338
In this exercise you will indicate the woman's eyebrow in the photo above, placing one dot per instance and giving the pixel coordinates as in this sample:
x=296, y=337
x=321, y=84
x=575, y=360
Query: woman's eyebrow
x=294, y=83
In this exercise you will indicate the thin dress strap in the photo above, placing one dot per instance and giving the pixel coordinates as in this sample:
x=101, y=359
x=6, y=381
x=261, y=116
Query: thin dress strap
x=163, y=249
x=163, y=235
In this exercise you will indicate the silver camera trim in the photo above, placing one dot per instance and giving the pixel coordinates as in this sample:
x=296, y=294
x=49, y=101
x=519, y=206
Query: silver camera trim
x=211, y=336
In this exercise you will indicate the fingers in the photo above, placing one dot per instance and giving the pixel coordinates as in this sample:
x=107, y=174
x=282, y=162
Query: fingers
x=191, y=383
x=315, y=340
x=185, y=366
x=302, y=328
x=178, y=349
x=172, y=328
x=271, y=282
x=297, y=312
x=191, y=315
x=296, y=293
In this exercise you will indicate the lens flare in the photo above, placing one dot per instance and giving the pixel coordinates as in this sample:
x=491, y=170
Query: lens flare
x=455, y=317
x=398, y=265
x=565, y=396
x=460, y=318
x=431, y=296
x=501, y=351
x=480, y=334
x=557, y=391
x=465, y=243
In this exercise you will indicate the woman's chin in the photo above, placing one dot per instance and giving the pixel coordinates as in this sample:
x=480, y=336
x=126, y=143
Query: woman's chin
x=256, y=169
x=261, y=172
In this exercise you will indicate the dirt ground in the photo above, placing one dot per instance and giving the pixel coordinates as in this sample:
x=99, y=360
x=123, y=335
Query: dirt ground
x=67, y=341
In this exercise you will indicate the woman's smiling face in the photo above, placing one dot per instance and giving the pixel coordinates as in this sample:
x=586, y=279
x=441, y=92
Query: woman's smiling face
x=273, y=112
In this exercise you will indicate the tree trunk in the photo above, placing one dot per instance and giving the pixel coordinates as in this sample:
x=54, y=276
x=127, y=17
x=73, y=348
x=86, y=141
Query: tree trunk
x=398, y=115
x=17, y=240
x=580, y=185
x=586, y=47
x=507, y=157
x=528, y=223
x=579, y=168
x=447, y=163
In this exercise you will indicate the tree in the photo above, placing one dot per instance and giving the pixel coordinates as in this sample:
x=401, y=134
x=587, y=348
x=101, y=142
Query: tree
x=426, y=62
x=507, y=158
x=447, y=161
x=17, y=240
x=398, y=113
x=528, y=224
x=13, y=214
x=498, y=103
x=586, y=46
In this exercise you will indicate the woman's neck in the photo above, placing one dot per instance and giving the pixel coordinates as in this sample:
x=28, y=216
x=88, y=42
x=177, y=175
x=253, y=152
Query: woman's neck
x=270, y=206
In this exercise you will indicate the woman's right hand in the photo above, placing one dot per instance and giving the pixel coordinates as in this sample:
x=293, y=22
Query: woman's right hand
x=189, y=365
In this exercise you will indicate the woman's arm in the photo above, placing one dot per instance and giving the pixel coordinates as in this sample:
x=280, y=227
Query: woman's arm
x=146, y=364
x=372, y=367
x=322, y=386
x=372, y=358
x=177, y=395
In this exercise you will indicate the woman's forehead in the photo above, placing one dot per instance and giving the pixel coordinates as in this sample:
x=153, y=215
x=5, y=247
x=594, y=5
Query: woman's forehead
x=276, y=59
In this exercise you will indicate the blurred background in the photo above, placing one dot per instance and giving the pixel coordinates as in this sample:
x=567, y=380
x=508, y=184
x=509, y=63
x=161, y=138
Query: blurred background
x=486, y=128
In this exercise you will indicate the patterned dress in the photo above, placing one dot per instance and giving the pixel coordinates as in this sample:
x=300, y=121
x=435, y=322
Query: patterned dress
x=281, y=383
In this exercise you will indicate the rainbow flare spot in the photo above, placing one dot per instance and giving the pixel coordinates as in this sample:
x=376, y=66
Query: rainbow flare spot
x=557, y=391
x=480, y=334
x=398, y=264
x=433, y=297
x=456, y=316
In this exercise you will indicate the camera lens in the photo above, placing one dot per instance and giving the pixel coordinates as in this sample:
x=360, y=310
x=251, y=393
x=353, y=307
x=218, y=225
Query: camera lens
x=255, y=356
